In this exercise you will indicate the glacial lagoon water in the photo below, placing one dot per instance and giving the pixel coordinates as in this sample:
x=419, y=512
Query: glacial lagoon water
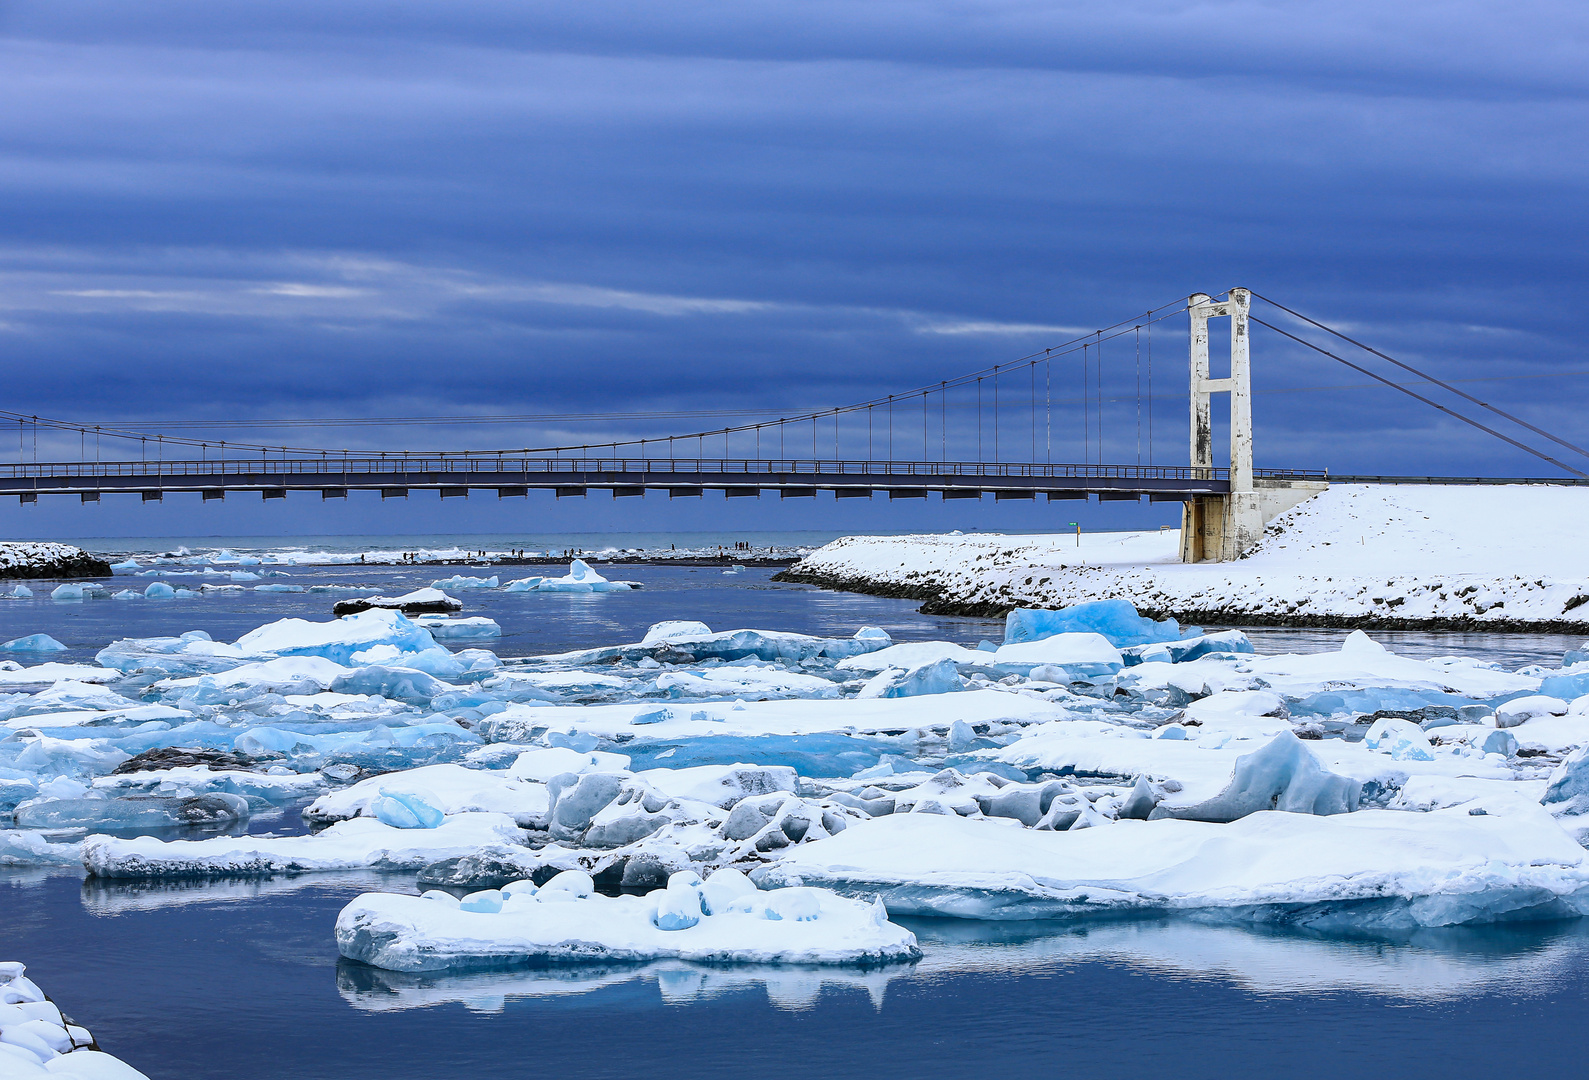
x=242, y=979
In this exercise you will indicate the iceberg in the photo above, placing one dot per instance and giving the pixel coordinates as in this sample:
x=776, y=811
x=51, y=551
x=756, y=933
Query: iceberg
x=33, y=643
x=796, y=926
x=420, y=601
x=1078, y=654
x=1373, y=868
x=138, y=812
x=339, y=639
x=471, y=629
x=579, y=579
x=449, y=788
x=19, y=847
x=459, y=581
x=1116, y=620
x=1567, y=795
x=361, y=843
x=934, y=677
x=1283, y=775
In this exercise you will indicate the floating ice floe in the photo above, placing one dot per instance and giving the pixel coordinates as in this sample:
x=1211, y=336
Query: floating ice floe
x=475, y=628
x=1116, y=621
x=460, y=581
x=356, y=844
x=724, y=919
x=579, y=579
x=37, y=1040
x=450, y=789
x=1371, y=868
x=33, y=643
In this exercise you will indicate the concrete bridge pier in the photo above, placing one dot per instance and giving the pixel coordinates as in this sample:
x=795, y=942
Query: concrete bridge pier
x=1221, y=528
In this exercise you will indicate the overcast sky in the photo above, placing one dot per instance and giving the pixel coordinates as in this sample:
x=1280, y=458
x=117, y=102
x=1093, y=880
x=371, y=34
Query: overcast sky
x=711, y=212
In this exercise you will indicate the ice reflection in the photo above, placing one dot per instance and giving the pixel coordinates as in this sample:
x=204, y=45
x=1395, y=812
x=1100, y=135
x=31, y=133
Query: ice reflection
x=790, y=988
x=1421, y=967
x=112, y=896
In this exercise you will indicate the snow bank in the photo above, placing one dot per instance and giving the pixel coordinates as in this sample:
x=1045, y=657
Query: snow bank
x=1358, y=555
x=36, y=1040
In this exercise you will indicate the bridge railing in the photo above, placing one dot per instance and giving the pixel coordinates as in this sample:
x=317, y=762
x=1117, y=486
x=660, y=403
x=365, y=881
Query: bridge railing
x=399, y=465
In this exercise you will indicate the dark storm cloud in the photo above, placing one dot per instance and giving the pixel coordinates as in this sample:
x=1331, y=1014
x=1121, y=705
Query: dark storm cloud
x=277, y=209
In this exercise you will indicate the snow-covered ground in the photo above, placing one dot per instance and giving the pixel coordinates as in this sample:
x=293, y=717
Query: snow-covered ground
x=43, y=559
x=1356, y=555
x=36, y=1040
x=758, y=790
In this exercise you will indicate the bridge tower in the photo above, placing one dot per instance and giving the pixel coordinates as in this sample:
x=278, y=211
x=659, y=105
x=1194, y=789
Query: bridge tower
x=1220, y=528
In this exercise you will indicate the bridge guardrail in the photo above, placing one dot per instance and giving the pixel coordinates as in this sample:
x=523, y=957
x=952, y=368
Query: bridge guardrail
x=398, y=466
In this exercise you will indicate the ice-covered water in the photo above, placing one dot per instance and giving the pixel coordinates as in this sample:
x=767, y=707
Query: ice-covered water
x=235, y=978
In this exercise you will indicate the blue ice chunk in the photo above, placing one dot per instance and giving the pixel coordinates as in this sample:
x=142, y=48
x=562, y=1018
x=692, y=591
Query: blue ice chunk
x=1372, y=700
x=1499, y=742
x=33, y=643
x=159, y=590
x=339, y=639
x=1283, y=775
x=398, y=684
x=986, y=646
x=1116, y=620
x=279, y=588
x=1226, y=642
x=652, y=716
x=1566, y=687
x=67, y=592
x=679, y=906
x=585, y=742
x=1402, y=739
x=459, y=581
x=405, y=810
x=937, y=677
x=17, y=592
x=1568, y=791
x=486, y=901
x=14, y=789
x=810, y=755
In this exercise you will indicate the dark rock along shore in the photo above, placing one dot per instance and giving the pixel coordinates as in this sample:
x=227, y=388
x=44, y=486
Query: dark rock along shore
x=41, y=560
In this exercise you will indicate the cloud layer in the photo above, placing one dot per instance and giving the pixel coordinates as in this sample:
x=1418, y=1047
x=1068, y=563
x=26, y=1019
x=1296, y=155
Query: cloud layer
x=254, y=211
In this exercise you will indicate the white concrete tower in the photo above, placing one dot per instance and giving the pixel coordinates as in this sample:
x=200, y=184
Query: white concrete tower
x=1222, y=528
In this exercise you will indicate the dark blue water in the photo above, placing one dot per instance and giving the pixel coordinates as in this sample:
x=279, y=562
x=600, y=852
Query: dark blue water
x=531, y=622
x=243, y=979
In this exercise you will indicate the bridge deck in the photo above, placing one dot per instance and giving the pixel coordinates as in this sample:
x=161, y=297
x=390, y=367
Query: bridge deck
x=458, y=474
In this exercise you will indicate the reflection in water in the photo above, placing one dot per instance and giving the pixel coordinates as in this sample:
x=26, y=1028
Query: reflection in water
x=1427, y=965
x=1421, y=965
x=113, y=896
x=791, y=988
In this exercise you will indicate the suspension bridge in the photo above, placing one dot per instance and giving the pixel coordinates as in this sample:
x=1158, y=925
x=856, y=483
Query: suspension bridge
x=1001, y=442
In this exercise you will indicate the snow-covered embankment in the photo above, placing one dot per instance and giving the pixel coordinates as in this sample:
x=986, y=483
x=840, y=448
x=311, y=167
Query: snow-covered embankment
x=1377, y=556
x=41, y=559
